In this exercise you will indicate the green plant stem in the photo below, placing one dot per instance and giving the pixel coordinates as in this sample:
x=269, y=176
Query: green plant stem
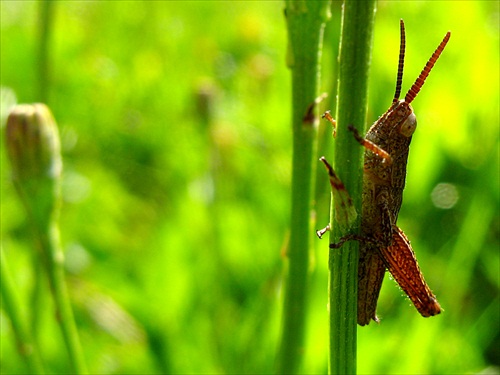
x=37, y=299
x=305, y=22
x=45, y=28
x=355, y=50
x=47, y=238
x=25, y=344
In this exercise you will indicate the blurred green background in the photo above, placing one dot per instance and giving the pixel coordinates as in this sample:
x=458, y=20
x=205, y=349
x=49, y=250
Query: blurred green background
x=175, y=127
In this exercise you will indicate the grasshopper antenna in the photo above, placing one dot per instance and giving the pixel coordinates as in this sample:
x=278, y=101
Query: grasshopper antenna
x=402, y=46
x=412, y=93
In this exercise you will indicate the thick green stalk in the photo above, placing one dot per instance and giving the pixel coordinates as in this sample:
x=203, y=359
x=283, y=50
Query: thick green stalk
x=45, y=26
x=12, y=307
x=355, y=50
x=305, y=22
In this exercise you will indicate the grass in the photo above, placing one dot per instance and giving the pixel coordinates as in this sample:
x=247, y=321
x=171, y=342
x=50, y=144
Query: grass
x=173, y=228
x=305, y=26
x=354, y=64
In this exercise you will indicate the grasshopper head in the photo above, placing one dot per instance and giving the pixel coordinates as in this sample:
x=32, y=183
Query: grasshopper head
x=402, y=107
x=408, y=126
x=401, y=118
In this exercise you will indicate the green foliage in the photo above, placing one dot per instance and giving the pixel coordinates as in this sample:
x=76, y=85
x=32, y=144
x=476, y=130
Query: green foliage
x=176, y=140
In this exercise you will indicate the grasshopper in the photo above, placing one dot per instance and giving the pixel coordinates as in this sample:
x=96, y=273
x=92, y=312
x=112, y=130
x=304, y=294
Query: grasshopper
x=382, y=244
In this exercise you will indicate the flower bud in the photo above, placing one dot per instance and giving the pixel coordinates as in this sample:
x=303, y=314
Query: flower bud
x=33, y=147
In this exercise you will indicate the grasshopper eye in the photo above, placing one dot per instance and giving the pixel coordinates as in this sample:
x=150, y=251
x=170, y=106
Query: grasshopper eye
x=409, y=125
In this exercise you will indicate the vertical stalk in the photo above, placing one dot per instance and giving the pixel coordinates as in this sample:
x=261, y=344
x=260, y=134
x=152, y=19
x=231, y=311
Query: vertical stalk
x=45, y=28
x=12, y=305
x=47, y=238
x=305, y=23
x=355, y=50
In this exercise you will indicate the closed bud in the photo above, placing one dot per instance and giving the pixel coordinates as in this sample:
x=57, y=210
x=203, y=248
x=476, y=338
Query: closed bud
x=33, y=147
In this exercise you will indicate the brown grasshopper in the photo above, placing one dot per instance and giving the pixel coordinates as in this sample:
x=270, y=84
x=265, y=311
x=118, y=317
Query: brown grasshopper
x=382, y=244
